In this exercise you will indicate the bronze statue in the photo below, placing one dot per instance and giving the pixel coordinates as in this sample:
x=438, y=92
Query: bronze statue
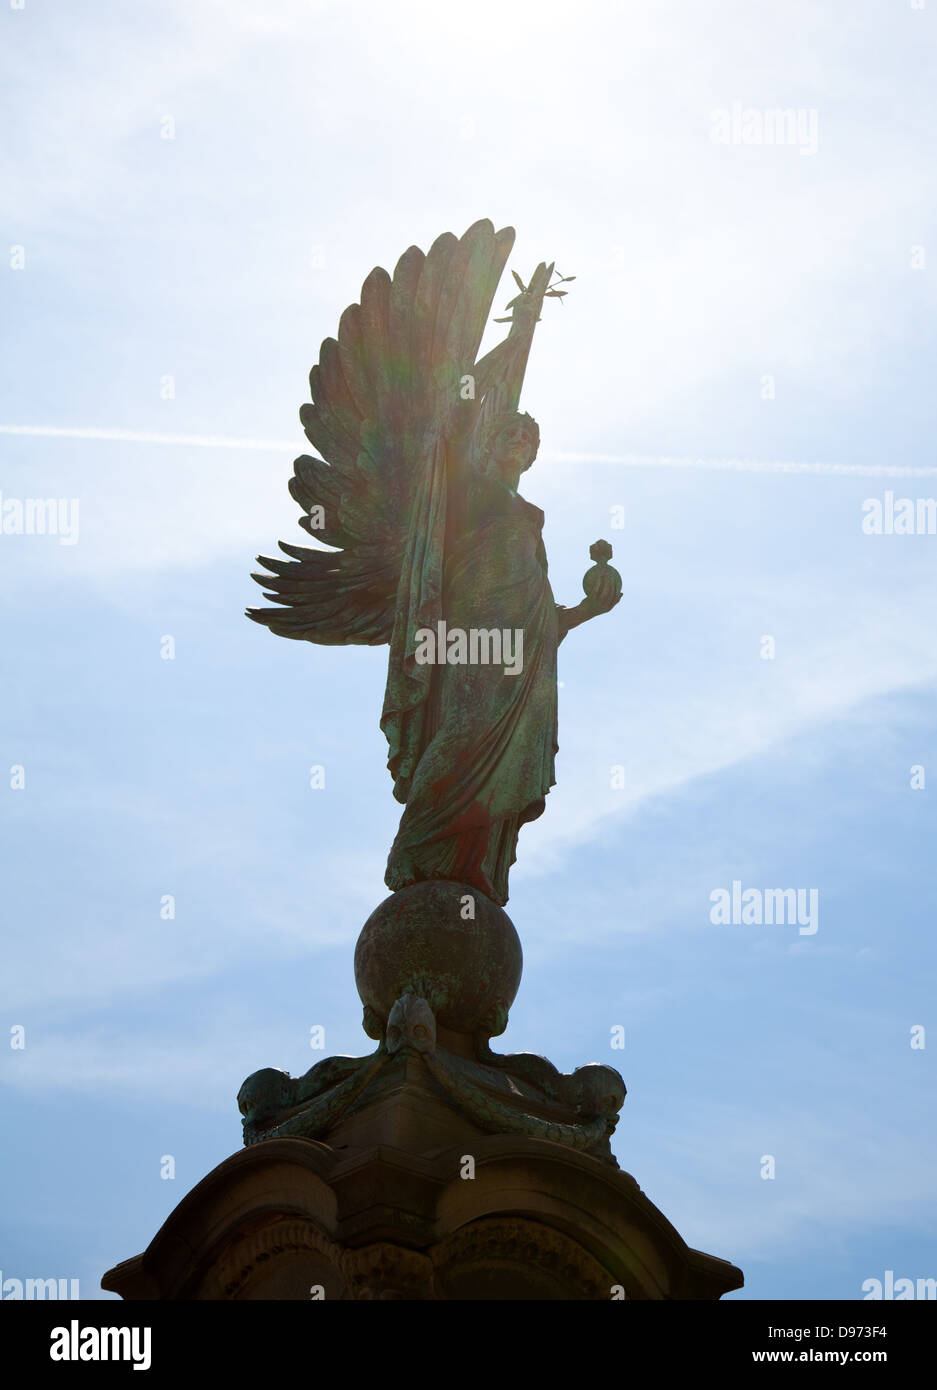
x=436, y=553
x=438, y=1168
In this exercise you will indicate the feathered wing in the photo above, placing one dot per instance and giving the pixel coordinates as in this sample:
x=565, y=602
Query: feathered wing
x=380, y=395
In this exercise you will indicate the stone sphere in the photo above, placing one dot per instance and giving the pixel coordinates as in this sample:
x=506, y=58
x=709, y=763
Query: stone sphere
x=467, y=968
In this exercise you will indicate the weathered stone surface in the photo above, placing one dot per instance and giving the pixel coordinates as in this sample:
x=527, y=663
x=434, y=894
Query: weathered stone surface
x=516, y=1094
x=295, y=1219
x=447, y=943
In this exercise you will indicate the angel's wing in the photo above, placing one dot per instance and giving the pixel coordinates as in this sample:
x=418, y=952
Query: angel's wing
x=377, y=391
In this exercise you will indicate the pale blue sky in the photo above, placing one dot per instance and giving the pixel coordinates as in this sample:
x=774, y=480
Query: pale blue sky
x=312, y=141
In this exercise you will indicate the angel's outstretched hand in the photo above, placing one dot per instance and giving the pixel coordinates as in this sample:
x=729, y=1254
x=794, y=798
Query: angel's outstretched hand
x=603, y=602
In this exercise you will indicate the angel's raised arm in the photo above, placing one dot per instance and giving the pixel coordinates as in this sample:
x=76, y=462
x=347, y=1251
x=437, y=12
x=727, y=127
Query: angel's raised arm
x=504, y=366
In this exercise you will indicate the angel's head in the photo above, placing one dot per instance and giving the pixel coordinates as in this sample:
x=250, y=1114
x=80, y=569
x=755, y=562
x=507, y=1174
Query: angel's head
x=513, y=445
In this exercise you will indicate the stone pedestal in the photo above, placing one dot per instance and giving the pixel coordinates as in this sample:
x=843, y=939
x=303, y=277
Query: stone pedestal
x=433, y=1168
x=407, y=1199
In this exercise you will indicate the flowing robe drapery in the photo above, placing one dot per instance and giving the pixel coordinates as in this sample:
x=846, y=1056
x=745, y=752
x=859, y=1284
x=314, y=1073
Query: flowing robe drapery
x=471, y=747
x=403, y=412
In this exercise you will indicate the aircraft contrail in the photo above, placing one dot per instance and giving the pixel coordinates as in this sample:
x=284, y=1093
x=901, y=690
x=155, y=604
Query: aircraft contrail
x=858, y=470
x=292, y=446
x=198, y=441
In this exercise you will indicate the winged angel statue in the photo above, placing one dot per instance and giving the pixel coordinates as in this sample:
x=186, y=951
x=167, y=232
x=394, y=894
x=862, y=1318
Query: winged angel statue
x=415, y=492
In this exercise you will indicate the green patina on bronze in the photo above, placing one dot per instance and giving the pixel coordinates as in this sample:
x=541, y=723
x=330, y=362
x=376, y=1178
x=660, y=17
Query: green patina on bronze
x=353, y=1180
x=422, y=447
x=434, y=552
x=448, y=944
x=516, y=1094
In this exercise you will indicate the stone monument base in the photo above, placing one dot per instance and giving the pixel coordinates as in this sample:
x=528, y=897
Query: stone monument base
x=409, y=1200
x=433, y=1168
